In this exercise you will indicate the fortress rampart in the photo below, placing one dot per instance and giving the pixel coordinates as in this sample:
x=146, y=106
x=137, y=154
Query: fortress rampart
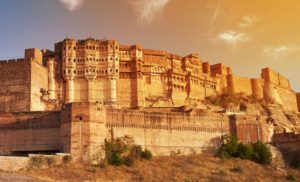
x=21, y=132
x=85, y=91
x=81, y=128
x=124, y=76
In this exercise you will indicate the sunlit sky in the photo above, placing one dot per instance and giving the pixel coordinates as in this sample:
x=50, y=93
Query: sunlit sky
x=246, y=35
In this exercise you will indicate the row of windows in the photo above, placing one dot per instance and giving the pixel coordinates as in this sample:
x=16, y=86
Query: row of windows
x=179, y=87
x=90, y=71
x=126, y=53
x=178, y=78
x=104, y=48
x=92, y=59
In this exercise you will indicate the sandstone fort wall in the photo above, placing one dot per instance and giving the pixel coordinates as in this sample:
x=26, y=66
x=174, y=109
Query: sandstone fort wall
x=127, y=76
x=29, y=132
x=166, y=132
x=14, y=85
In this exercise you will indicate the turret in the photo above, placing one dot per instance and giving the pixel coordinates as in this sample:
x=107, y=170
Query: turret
x=34, y=54
x=112, y=72
x=231, y=83
x=257, y=88
x=69, y=66
x=51, y=79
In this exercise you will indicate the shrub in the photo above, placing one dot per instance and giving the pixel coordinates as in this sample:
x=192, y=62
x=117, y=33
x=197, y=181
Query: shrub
x=123, y=151
x=291, y=177
x=229, y=147
x=129, y=161
x=257, y=152
x=237, y=169
x=136, y=152
x=66, y=159
x=115, y=159
x=261, y=153
x=146, y=154
x=245, y=151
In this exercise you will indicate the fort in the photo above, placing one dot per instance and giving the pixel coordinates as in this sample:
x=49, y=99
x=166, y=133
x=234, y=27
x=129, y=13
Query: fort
x=71, y=99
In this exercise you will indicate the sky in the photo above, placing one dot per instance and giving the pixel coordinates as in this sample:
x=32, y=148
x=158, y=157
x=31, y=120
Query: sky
x=245, y=35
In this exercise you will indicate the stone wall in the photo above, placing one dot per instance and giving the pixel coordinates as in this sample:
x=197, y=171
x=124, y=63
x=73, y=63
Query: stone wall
x=14, y=86
x=164, y=132
x=243, y=84
x=289, y=145
x=12, y=164
x=104, y=71
x=277, y=89
x=81, y=128
x=251, y=128
x=298, y=101
x=29, y=132
x=39, y=80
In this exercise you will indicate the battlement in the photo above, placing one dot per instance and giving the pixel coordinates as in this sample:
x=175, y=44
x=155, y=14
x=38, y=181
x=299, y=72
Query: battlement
x=220, y=69
x=96, y=70
x=271, y=76
x=12, y=61
x=154, y=52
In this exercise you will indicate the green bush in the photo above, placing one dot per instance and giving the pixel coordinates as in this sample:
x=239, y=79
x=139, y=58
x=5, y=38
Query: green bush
x=261, y=153
x=244, y=151
x=146, y=154
x=136, y=152
x=229, y=147
x=128, y=161
x=115, y=159
x=258, y=152
x=123, y=151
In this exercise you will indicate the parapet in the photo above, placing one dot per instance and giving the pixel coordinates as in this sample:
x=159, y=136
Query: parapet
x=206, y=68
x=34, y=54
x=271, y=76
x=12, y=61
x=220, y=69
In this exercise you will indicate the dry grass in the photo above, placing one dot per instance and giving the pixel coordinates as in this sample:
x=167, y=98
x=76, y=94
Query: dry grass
x=178, y=168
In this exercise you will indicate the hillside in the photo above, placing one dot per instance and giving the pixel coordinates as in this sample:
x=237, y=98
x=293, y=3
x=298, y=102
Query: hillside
x=175, y=168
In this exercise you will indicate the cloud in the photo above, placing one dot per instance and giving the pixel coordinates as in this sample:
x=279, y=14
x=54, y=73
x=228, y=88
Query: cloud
x=247, y=21
x=147, y=10
x=218, y=11
x=280, y=51
x=233, y=38
x=72, y=5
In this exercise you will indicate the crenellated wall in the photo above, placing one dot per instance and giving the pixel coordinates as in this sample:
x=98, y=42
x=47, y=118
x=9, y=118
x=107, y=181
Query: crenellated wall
x=277, y=89
x=128, y=76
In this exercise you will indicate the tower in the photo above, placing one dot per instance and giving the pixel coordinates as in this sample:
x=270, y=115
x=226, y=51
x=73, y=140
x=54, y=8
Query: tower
x=69, y=67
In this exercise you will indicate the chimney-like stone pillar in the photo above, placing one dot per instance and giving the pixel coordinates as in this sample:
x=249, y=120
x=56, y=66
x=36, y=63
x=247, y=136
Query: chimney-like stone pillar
x=112, y=90
x=70, y=90
x=51, y=79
